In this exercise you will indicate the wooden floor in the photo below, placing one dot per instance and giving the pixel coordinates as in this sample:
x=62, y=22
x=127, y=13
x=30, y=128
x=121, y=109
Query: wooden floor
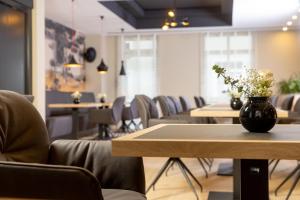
x=174, y=187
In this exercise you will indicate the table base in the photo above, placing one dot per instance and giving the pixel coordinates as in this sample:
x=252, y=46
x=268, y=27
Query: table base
x=225, y=169
x=220, y=196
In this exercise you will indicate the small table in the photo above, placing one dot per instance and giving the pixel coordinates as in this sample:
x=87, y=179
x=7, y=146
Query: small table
x=75, y=112
x=250, y=151
x=223, y=110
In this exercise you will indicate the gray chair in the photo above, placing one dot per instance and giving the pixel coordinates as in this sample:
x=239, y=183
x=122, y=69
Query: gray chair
x=33, y=168
x=199, y=101
x=105, y=117
x=149, y=116
x=130, y=113
x=186, y=104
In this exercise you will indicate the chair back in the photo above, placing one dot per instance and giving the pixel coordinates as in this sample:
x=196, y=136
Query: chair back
x=202, y=100
x=117, y=108
x=186, y=105
x=177, y=104
x=134, y=109
x=197, y=102
x=23, y=133
x=163, y=102
x=143, y=110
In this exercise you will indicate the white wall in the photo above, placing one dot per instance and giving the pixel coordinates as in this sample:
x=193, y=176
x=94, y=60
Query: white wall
x=38, y=55
x=279, y=52
x=178, y=59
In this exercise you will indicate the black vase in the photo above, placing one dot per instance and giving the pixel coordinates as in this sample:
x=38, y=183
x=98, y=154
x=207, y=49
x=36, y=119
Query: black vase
x=236, y=103
x=258, y=115
x=76, y=100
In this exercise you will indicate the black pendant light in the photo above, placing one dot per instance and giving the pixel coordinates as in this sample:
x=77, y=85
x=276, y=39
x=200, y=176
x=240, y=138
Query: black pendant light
x=72, y=62
x=122, y=71
x=102, y=67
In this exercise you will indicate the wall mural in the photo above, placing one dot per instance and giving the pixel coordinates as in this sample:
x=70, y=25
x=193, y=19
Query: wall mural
x=59, y=48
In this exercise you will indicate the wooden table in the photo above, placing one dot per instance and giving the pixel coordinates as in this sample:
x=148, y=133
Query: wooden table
x=226, y=111
x=223, y=110
x=250, y=151
x=75, y=112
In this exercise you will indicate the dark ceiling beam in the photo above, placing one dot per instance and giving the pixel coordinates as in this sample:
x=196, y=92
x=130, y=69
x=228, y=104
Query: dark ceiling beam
x=136, y=8
x=227, y=9
x=203, y=21
x=115, y=7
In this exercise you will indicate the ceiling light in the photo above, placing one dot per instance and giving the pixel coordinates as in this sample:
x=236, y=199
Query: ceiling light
x=185, y=22
x=102, y=68
x=72, y=63
x=294, y=17
x=284, y=28
x=171, y=13
x=165, y=27
x=173, y=23
x=289, y=23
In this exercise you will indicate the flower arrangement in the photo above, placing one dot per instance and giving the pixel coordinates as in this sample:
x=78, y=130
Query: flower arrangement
x=76, y=95
x=254, y=84
x=234, y=93
x=101, y=97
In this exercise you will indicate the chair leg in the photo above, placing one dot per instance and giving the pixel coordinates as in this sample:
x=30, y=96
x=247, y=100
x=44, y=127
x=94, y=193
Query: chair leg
x=190, y=173
x=202, y=165
x=271, y=161
x=161, y=171
x=183, y=171
x=286, y=179
x=273, y=168
x=170, y=166
x=293, y=186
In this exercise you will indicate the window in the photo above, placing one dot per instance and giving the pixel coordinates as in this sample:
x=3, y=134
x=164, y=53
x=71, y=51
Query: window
x=139, y=55
x=233, y=50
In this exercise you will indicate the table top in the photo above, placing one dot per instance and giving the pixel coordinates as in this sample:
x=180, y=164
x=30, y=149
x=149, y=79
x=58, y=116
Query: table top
x=210, y=140
x=226, y=111
x=80, y=105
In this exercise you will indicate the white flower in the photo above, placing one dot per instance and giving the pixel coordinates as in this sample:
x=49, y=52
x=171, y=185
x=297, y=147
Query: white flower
x=76, y=95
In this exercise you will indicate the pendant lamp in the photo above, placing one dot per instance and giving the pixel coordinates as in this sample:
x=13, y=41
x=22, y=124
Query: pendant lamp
x=102, y=68
x=122, y=71
x=72, y=63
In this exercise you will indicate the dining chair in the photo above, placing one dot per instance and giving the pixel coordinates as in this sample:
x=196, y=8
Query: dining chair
x=33, y=168
x=105, y=117
x=130, y=113
x=186, y=104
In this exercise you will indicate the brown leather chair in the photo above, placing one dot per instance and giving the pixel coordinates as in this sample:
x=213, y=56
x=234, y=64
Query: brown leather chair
x=31, y=167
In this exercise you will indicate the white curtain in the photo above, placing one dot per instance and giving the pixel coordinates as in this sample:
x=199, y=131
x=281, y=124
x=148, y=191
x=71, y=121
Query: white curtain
x=139, y=55
x=233, y=50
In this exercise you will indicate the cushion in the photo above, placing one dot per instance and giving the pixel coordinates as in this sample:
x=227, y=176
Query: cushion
x=23, y=133
x=115, y=194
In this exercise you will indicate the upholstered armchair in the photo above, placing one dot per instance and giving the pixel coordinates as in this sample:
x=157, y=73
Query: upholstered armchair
x=31, y=167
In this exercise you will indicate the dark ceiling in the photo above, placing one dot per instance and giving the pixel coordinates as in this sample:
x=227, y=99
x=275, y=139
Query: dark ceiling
x=148, y=14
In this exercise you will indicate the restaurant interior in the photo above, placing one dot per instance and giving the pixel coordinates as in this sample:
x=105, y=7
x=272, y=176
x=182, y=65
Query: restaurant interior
x=157, y=100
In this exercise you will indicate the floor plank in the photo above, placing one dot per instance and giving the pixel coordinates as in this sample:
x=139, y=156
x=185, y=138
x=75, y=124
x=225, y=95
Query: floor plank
x=174, y=187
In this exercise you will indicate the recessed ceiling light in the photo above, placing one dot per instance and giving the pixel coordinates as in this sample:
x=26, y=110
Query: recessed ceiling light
x=284, y=28
x=289, y=23
x=294, y=17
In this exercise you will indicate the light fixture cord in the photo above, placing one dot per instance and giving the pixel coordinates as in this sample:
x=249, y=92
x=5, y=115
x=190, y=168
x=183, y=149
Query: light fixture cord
x=102, y=40
x=73, y=29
